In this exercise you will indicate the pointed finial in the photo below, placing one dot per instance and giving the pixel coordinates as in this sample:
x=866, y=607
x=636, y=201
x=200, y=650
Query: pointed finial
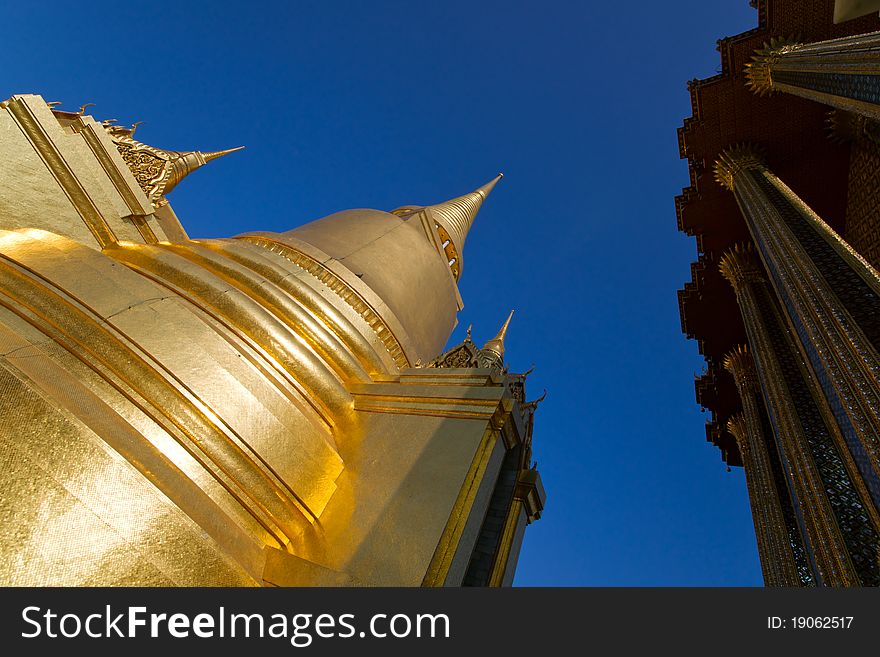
x=215, y=154
x=82, y=110
x=458, y=214
x=134, y=127
x=496, y=344
x=183, y=164
x=174, y=166
x=470, y=329
x=453, y=220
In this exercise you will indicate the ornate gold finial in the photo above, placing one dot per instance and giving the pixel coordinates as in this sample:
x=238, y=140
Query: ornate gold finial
x=158, y=171
x=496, y=344
x=735, y=159
x=759, y=71
x=493, y=350
x=740, y=266
x=736, y=425
x=453, y=220
x=741, y=365
x=183, y=164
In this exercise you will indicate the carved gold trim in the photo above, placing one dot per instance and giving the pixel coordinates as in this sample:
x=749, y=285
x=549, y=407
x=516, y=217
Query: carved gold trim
x=310, y=375
x=759, y=71
x=846, y=56
x=824, y=537
x=740, y=266
x=740, y=364
x=736, y=159
x=736, y=426
x=851, y=362
x=341, y=288
x=821, y=315
x=374, y=360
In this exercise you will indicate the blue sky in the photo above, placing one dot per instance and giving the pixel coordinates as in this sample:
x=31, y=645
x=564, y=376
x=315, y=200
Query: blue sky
x=381, y=104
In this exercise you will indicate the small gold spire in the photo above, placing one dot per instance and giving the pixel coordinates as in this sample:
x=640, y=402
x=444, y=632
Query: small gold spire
x=183, y=164
x=453, y=220
x=496, y=344
x=158, y=171
x=215, y=154
x=457, y=215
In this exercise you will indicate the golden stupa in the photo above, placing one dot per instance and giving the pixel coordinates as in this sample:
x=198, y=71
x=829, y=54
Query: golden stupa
x=272, y=409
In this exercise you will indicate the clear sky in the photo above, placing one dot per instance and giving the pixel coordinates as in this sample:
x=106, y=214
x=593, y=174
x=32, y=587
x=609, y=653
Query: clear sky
x=381, y=104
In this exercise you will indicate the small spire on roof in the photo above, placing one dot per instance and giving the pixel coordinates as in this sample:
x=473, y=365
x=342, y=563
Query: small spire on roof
x=494, y=349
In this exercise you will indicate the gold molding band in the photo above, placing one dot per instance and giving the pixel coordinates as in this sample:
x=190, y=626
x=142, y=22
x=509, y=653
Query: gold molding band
x=341, y=288
x=323, y=341
x=317, y=382
x=251, y=257
x=505, y=543
x=138, y=215
x=438, y=569
x=160, y=395
x=47, y=150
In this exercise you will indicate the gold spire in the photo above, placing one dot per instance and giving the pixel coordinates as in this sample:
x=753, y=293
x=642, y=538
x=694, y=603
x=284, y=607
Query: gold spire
x=156, y=170
x=182, y=164
x=496, y=344
x=458, y=214
x=453, y=220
